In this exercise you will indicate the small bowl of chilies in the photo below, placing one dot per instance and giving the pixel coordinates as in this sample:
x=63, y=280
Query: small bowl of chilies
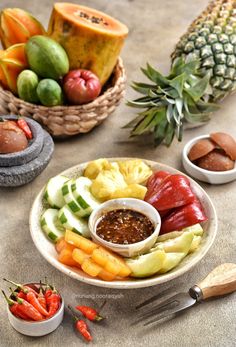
x=37, y=328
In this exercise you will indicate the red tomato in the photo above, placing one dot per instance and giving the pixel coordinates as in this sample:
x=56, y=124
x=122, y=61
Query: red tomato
x=81, y=86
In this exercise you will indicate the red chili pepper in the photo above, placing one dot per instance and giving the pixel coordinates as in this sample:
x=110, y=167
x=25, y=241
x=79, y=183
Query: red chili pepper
x=23, y=125
x=32, y=299
x=53, y=303
x=174, y=191
x=19, y=294
x=26, y=308
x=81, y=326
x=23, y=288
x=89, y=313
x=183, y=217
x=41, y=297
x=14, y=308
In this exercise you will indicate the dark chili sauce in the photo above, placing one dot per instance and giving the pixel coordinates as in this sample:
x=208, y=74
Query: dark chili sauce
x=124, y=226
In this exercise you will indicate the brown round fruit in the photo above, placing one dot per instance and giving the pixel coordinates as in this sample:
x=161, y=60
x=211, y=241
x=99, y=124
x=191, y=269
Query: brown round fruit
x=200, y=148
x=12, y=138
x=216, y=160
x=226, y=142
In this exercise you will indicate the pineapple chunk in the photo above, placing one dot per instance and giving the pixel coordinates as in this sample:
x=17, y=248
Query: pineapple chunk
x=95, y=167
x=136, y=191
x=134, y=171
x=80, y=241
x=106, y=183
x=91, y=268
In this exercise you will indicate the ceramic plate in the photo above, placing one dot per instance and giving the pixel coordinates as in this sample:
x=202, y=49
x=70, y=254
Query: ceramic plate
x=47, y=249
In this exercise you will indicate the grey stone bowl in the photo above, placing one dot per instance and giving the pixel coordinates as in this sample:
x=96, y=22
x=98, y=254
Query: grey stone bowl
x=31, y=152
x=15, y=176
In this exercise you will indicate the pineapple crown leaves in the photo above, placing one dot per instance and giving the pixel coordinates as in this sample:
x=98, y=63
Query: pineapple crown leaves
x=170, y=101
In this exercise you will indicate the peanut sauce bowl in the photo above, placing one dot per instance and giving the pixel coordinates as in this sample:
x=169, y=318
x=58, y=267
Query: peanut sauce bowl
x=131, y=249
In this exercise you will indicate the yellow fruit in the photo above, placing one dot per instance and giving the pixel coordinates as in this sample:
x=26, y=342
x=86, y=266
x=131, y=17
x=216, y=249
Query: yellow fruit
x=91, y=39
x=134, y=171
x=110, y=262
x=91, y=268
x=80, y=241
x=79, y=256
x=12, y=62
x=136, y=191
x=106, y=276
x=65, y=257
x=95, y=167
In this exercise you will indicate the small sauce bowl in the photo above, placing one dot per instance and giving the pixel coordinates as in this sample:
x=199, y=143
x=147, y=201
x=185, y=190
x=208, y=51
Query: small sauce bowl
x=37, y=328
x=212, y=177
x=132, y=249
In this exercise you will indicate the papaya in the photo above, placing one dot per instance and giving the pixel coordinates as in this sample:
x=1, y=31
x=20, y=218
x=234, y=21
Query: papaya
x=17, y=26
x=46, y=57
x=12, y=62
x=91, y=39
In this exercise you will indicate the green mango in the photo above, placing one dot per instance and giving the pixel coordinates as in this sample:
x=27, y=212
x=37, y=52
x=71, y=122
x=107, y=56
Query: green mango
x=195, y=243
x=179, y=244
x=196, y=229
x=171, y=261
x=147, y=264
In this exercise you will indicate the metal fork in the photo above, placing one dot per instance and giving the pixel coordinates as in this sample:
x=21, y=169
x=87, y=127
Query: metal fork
x=220, y=281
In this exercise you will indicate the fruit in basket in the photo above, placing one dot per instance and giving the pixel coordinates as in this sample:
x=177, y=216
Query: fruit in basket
x=203, y=71
x=92, y=39
x=27, y=83
x=81, y=86
x=17, y=26
x=46, y=57
x=49, y=92
x=12, y=61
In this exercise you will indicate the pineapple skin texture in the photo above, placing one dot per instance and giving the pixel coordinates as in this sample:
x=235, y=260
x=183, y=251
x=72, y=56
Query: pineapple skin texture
x=212, y=39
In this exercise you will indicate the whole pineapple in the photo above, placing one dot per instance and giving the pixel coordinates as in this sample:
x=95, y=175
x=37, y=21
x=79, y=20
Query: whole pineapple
x=203, y=71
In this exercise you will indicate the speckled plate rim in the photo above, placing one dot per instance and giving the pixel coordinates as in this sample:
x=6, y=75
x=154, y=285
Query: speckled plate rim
x=187, y=264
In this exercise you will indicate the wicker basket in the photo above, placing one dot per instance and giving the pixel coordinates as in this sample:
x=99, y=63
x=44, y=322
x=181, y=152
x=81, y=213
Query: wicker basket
x=62, y=121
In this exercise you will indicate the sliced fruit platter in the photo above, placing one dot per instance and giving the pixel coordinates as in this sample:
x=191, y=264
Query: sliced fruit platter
x=127, y=246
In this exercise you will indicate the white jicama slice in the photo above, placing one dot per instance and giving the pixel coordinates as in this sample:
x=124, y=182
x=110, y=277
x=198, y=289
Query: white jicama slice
x=196, y=229
x=53, y=193
x=70, y=199
x=179, y=244
x=50, y=224
x=70, y=221
x=81, y=191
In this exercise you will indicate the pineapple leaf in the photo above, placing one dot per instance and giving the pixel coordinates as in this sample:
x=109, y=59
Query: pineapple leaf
x=160, y=131
x=198, y=89
x=155, y=76
x=207, y=106
x=170, y=133
x=178, y=83
x=142, y=88
x=141, y=126
x=179, y=106
x=133, y=122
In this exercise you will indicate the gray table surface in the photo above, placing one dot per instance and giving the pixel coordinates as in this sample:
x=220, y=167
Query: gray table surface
x=155, y=26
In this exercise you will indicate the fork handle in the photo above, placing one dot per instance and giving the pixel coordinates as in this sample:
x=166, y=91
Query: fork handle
x=220, y=281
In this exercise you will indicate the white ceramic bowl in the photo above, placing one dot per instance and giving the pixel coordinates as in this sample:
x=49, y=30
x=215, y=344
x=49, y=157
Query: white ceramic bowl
x=39, y=328
x=47, y=248
x=141, y=206
x=213, y=177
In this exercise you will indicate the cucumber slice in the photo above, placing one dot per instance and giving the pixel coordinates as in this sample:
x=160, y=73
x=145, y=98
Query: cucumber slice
x=81, y=191
x=70, y=199
x=53, y=193
x=73, y=223
x=50, y=225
